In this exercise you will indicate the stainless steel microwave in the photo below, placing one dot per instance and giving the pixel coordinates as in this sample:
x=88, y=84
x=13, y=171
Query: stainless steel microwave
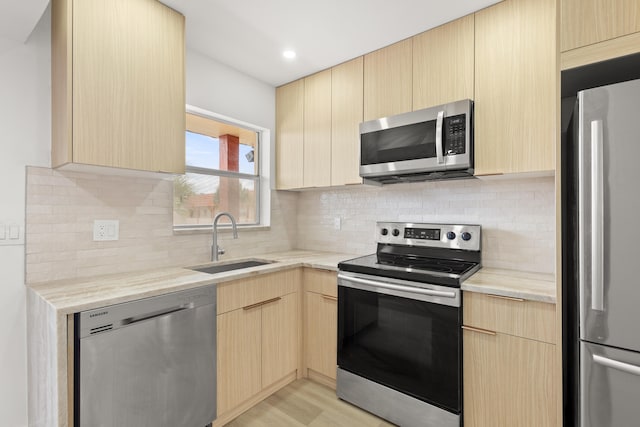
x=433, y=143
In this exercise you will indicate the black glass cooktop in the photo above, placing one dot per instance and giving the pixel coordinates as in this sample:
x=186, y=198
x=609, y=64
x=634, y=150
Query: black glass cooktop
x=429, y=264
x=448, y=268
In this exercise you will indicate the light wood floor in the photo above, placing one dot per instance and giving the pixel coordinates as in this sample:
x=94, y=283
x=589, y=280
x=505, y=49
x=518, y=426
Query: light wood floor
x=306, y=403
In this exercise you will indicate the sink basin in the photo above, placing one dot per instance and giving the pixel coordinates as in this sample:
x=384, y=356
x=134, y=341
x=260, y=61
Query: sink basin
x=219, y=268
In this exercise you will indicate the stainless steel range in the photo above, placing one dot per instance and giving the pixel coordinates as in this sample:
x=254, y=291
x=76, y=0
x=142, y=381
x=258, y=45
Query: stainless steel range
x=399, y=323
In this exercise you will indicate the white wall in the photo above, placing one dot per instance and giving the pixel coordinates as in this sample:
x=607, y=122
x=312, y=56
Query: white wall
x=223, y=90
x=24, y=140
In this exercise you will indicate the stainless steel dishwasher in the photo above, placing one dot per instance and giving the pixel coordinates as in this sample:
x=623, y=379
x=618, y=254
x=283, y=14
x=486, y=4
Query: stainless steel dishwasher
x=150, y=362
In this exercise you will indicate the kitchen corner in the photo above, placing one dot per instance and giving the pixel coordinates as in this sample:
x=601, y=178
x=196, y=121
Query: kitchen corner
x=51, y=304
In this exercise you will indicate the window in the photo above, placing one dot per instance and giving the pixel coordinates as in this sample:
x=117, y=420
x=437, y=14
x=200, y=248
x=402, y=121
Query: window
x=222, y=173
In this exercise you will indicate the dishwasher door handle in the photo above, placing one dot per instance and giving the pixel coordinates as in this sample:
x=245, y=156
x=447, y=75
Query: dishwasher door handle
x=164, y=312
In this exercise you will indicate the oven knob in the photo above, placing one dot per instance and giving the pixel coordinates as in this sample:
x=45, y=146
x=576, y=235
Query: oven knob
x=451, y=235
x=384, y=231
x=466, y=236
x=395, y=232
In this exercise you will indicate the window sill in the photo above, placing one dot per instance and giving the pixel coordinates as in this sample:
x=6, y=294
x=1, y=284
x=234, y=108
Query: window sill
x=222, y=228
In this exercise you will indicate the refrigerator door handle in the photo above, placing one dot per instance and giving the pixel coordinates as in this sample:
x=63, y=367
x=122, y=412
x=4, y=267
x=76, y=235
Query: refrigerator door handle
x=616, y=364
x=597, y=216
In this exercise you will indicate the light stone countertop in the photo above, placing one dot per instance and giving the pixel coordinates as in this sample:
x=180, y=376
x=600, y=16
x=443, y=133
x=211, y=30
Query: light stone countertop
x=71, y=296
x=50, y=303
x=511, y=283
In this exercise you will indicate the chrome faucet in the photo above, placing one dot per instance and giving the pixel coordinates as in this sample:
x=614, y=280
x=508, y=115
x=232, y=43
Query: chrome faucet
x=215, y=249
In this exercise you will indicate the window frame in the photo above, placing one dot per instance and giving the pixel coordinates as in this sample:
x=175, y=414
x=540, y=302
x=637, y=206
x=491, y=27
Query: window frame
x=261, y=179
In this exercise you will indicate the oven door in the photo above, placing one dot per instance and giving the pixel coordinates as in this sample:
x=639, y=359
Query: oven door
x=403, y=337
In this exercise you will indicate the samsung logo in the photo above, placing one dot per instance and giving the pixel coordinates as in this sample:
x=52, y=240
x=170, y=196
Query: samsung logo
x=100, y=313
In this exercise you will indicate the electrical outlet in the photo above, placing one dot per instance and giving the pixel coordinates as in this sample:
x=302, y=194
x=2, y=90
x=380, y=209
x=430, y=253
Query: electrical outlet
x=337, y=223
x=104, y=230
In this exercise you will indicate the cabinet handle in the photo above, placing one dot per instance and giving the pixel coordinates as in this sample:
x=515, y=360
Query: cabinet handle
x=482, y=331
x=506, y=298
x=259, y=304
x=329, y=297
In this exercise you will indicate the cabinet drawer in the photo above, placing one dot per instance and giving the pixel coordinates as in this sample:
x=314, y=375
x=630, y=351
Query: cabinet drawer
x=245, y=292
x=523, y=318
x=321, y=281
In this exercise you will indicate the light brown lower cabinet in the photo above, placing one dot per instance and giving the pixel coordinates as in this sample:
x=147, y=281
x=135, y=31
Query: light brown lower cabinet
x=509, y=377
x=321, y=325
x=239, y=350
x=508, y=381
x=258, y=339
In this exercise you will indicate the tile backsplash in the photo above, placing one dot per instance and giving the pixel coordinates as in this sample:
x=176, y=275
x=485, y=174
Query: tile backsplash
x=62, y=205
x=517, y=216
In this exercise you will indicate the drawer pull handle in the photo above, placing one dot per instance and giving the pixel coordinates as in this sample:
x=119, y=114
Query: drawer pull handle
x=506, y=298
x=259, y=304
x=482, y=331
x=329, y=297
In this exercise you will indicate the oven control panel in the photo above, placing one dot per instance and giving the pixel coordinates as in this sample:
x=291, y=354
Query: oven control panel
x=450, y=236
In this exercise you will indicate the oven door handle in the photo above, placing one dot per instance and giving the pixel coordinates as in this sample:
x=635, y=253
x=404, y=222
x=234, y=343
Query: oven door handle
x=411, y=289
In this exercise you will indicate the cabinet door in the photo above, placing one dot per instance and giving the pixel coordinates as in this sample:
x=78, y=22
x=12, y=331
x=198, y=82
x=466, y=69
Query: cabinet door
x=128, y=85
x=443, y=64
x=585, y=22
x=515, y=87
x=317, y=130
x=346, y=116
x=508, y=381
x=321, y=333
x=279, y=339
x=239, y=349
x=289, y=135
x=387, y=81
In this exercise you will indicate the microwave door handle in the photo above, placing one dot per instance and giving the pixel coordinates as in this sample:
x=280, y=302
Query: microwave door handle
x=439, y=147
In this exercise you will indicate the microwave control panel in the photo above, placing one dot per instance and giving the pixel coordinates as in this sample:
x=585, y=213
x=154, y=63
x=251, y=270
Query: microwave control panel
x=454, y=134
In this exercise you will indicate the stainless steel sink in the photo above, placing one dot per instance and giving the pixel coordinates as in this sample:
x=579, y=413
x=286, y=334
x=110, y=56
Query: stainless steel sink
x=238, y=265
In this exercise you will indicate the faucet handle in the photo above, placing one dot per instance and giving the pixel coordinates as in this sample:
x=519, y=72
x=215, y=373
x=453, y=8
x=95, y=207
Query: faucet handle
x=221, y=251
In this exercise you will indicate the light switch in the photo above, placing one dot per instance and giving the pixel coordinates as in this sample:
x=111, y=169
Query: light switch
x=337, y=223
x=14, y=232
x=11, y=234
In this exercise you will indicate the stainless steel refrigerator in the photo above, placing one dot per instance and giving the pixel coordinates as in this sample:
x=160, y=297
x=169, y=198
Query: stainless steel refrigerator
x=604, y=209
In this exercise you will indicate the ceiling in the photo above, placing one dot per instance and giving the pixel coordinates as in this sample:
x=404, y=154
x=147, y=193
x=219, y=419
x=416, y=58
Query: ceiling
x=17, y=20
x=250, y=35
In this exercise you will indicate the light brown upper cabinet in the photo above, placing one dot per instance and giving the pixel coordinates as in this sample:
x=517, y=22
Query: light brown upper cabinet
x=317, y=119
x=515, y=87
x=388, y=81
x=317, y=130
x=443, y=64
x=597, y=30
x=289, y=135
x=118, y=85
x=346, y=116
x=586, y=22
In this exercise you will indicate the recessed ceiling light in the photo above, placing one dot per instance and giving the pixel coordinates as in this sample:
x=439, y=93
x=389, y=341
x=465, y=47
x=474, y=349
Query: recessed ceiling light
x=289, y=54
